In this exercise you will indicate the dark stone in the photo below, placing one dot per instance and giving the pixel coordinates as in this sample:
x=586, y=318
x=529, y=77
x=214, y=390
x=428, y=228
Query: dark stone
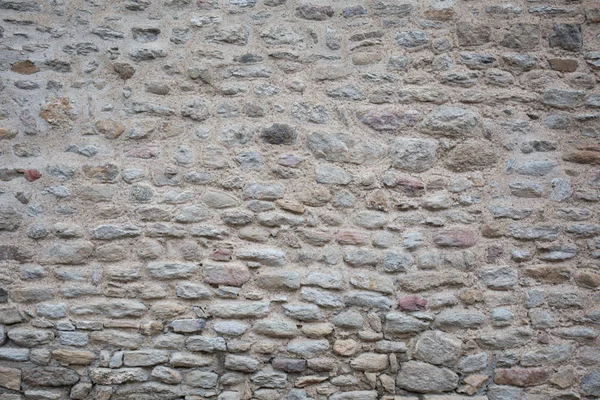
x=314, y=13
x=567, y=37
x=279, y=134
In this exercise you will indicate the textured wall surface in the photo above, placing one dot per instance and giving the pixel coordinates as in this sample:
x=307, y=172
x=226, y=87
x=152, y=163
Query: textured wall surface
x=261, y=199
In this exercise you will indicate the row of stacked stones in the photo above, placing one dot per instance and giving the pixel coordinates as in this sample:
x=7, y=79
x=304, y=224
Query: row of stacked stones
x=326, y=200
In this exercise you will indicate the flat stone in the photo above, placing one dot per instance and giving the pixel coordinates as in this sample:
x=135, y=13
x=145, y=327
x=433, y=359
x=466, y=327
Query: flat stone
x=522, y=377
x=421, y=377
x=10, y=378
x=50, y=376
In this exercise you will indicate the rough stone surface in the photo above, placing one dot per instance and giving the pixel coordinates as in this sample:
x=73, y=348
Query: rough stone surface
x=293, y=200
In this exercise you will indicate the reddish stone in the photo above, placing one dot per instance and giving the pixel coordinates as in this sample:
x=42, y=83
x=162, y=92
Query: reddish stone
x=24, y=67
x=563, y=65
x=106, y=173
x=226, y=274
x=522, y=377
x=389, y=120
x=456, y=238
x=32, y=174
x=351, y=238
x=584, y=154
x=143, y=152
x=412, y=303
x=411, y=186
x=221, y=255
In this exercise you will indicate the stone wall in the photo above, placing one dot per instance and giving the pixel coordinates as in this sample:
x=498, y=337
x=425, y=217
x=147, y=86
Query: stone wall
x=271, y=199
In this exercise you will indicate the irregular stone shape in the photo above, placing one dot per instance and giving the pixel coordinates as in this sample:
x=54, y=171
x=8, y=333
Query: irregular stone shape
x=504, y=339
x=413, y=155
x=75, y=357
x=389, y=120
x=276, y=328
x=108, y=376
x=470, y=34
x=566, y=37
x=66, y=253
x=272, y=257
x=269, y=379
x=555, y=354
x=590, y=384
x=420, y=377
x=308, y=348
x=111, y=308
x=533, y=233
x=502, y=278
x=239, y=310
x=202, y=379
x=400, y=323
x=340, y=147
x=10, y=378
x=205, y=344
x=50, y=376
x=10, y=219
x=450, y=121
x=280, y=134
x=225, y=274
x=563, y=99
x=522, y=377
x=456, y=238
x=583, y=154
x=332, y=175
x=27, y=337
x=370, y=362
x=171, y=270
x=293, y=365
x=314, y=13
x=144, y=358
x=241, y=363
x=302, y=312
x=355, y=395
x=471, y=156
x=450, y=320
x=438, y=348
x=166, y=375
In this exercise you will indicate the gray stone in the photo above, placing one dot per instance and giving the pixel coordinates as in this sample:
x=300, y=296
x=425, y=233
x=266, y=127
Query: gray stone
x=400, y=323
x=332, y=175
x=438, y=348
x=420, y=377
x=566, y=37
x=502, y=278
x=307, y=348
x=563, y=99
x=413, y=155
x=239, y=310
x=590, y=384
x=450, y=121
x=50, y=377
x=30, y=337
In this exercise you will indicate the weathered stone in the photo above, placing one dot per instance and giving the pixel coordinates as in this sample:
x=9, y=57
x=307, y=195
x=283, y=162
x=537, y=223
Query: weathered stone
x=438, y=348
x=522, y=377
x=566, y=37
x=10, y=378
x=50, y=376
x=414, y=155
x=426, y=378
x=450, y=121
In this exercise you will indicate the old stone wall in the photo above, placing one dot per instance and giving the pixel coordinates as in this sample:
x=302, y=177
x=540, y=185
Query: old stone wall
x=271, y=199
